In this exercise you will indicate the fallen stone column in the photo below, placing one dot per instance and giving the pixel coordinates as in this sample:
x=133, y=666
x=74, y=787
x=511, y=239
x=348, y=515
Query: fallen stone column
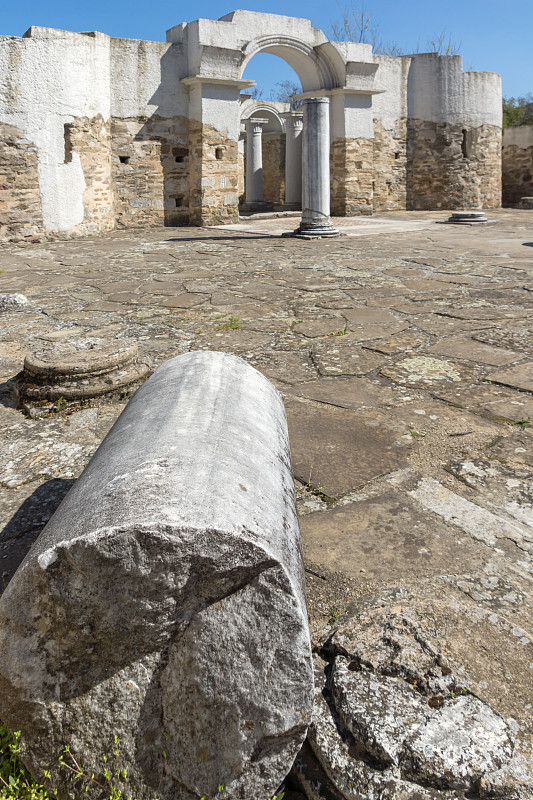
x=164, y=602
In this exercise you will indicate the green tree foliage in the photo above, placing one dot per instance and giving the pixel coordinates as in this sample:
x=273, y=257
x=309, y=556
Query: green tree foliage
x=518, y=111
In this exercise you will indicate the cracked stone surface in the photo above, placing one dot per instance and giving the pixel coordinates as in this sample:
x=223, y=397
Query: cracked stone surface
x=401, y=710
x=404, y=358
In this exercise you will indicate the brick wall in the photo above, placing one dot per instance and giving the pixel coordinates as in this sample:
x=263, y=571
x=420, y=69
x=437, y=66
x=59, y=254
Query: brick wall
x=214, y=176
x=90, y=139
x=274, y=167
x=517, y=164
x=150, y=164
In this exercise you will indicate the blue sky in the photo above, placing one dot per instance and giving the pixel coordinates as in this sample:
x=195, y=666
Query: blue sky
x=492, y=35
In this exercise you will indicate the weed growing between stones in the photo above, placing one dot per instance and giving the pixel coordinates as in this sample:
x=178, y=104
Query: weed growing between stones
x=525, y=422
x=341, y=332
x=16, y=782
x=232, y=324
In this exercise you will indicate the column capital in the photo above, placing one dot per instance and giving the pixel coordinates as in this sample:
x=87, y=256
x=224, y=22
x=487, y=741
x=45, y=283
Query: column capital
x=293, y=119
x=255, y=123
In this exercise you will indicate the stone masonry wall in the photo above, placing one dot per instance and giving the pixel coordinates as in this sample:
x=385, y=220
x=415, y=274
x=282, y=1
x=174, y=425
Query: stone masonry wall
x=351, y=162
x=450, y=166
x=517, y=164
x=20, y=200
x=150, y=171
x=90, y=139
x=214, y=176
x=274, y=167
x=390, y=166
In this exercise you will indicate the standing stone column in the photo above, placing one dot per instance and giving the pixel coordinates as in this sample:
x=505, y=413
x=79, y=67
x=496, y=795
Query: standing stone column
x=254, y=163
x=293, y=159
x=315, y=167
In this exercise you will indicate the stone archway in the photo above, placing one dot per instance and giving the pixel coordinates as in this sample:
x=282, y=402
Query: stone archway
x=262, y=148
x=218, y=54
x=315, y=69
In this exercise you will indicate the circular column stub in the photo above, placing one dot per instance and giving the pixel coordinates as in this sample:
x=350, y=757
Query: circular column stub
x=467, y=218
x=60, y=376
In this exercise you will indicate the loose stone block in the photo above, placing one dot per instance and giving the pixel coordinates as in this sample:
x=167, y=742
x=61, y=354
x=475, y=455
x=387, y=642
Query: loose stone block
x=164, y=602
x=14, y=302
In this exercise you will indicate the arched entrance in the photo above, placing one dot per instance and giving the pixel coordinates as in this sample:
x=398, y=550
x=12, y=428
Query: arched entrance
x=262, y=147
x=218, y=53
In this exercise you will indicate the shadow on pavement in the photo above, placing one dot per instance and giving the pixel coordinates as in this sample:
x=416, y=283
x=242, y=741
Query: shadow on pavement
x=26, y=524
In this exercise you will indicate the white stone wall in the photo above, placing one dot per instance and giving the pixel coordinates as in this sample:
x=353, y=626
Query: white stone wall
x=145, y=79
x=439, y=91
x=51, y=77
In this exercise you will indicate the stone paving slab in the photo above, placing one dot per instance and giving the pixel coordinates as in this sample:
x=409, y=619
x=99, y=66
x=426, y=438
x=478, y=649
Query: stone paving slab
x=519, y=377
x=387, y=537
x=337, y=450
x=469, y=349
x=500, y=403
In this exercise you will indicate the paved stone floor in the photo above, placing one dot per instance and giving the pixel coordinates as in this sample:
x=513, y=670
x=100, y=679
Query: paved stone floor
x=404, y=353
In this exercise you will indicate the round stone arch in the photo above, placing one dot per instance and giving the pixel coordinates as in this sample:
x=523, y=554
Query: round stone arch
x=270, y=138
x=315, y=69
x=262, y=108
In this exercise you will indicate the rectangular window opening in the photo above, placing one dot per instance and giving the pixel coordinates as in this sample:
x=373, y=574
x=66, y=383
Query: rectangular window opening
x=464, y=145
x=67, y=137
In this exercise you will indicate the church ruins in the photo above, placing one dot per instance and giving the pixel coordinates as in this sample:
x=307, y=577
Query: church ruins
x=98, y=132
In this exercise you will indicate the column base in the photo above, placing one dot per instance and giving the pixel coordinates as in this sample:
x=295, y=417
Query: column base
x=314, y=233
x=467, y=218
x=316, y=229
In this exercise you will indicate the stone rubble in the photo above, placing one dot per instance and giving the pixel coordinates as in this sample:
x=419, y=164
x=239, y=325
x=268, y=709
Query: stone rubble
x=396, y=718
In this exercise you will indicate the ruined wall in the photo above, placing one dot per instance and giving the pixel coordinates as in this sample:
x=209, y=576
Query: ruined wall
x=517, y=164
x=20, y=201
x=94, y=133
x=99, y=132
x=453, y=135
x=90, y=140
x=55, y=89
x=436, y=134
x=214, y=176
x=390, y=166
x=389, y=116
x=274, y=168
x=150, y=168
x=149, y=142
x=453, y=166
x=352, y=173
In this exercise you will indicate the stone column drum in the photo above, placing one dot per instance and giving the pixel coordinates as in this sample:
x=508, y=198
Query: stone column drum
x=254, y=162
x=293, y=159
x=164, y=602
x=315, y=166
